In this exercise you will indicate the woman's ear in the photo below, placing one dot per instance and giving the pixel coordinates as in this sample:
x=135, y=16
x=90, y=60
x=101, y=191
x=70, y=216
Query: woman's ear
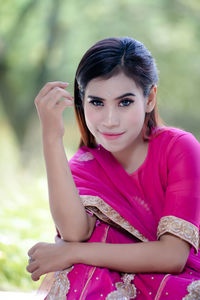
x=151, y=100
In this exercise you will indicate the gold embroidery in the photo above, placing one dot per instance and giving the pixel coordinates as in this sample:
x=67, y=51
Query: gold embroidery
x=181, y=228
x=194, y=291
x=60, y=286
x=45, y=286
x=85, y=156
x=125, y=290
x=107, y=214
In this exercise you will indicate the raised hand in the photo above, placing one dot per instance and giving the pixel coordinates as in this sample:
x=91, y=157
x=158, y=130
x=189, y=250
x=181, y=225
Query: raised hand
x=51, y=101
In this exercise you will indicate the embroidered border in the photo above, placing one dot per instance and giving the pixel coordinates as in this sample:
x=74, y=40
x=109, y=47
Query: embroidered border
x=181, y=228
x=125, y=290
x=107, y=214
x=60, y=286
x=194, y=291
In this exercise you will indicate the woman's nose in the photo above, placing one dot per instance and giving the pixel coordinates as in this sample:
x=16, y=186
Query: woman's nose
x=111, y=118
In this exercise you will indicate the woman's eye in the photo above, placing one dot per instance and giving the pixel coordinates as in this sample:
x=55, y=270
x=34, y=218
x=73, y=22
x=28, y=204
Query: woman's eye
x=125, y=102
x=96, y=102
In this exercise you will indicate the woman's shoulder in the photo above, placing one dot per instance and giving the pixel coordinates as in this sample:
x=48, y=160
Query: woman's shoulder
x=171, y=137
x=171, y=134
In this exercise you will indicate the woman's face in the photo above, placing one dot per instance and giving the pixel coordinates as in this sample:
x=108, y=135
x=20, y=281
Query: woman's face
x=115, y=111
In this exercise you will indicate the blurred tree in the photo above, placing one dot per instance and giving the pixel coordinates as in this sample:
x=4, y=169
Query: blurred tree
x=20, y=117
x=44, y=40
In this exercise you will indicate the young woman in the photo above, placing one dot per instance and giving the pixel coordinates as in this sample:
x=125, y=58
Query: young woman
x=127, y=205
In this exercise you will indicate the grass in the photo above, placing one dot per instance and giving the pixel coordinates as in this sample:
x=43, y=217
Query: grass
x=24, y=216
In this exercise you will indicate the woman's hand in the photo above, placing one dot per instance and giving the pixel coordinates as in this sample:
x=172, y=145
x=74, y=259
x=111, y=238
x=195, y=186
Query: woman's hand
x=46, y=257
x=50, y=108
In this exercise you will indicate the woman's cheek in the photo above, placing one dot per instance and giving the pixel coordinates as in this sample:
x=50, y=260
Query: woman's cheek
x=91, y=117
x=90, y=122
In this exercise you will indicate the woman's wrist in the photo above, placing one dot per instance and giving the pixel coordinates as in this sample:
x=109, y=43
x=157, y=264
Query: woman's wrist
x=66, y=253
x=49, y=139
x=74, y=254
x=83, y=253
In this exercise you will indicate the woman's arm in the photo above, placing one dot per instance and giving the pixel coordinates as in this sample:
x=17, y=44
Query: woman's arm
x=69, y=215
x=168, y=255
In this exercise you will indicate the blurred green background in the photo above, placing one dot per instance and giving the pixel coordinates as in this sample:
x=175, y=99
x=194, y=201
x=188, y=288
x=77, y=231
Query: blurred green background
x=44, y=41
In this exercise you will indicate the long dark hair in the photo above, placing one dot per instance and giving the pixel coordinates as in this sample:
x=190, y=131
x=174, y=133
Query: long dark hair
x=107, y=58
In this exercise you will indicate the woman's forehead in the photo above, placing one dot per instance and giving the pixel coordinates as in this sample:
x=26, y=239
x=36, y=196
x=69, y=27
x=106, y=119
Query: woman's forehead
x=115, y=85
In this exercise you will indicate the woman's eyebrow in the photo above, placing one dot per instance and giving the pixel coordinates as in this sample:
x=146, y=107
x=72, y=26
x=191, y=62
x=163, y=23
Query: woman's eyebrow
x=94, y=97
x=119, y=97
x=125, y=95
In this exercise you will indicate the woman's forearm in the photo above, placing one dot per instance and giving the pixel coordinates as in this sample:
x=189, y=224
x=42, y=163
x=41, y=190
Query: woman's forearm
x=145, y=257
x=65, y=202
x=168, y=255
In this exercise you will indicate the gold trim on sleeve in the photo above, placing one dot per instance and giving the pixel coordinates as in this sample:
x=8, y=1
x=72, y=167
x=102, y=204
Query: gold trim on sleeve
x=107, y=214
x=181, y=228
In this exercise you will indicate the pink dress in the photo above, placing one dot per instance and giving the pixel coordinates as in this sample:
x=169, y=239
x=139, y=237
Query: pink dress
x=163, y=195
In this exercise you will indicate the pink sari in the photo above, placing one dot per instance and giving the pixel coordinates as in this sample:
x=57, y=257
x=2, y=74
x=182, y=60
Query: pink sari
x=116, y=198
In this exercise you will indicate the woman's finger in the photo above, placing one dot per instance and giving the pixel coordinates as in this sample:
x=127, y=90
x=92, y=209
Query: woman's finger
x=32, y=250
x=32, y=267
x=39, y=272
x=36, y=275
x=49, y=86
x=65, y=103
x=55, y=95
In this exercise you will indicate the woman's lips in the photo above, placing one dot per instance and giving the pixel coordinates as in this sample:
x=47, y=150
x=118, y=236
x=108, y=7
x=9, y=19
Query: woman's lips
x=111, y=136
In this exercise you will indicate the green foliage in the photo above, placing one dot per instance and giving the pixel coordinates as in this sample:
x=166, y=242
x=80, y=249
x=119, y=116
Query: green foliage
x=43, y=41
x=24, y=215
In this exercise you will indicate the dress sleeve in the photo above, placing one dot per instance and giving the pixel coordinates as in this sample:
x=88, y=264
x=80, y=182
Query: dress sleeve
x=181, y=211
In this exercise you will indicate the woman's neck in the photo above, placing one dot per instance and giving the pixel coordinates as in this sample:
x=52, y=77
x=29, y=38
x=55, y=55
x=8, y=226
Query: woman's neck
x=132, y=157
